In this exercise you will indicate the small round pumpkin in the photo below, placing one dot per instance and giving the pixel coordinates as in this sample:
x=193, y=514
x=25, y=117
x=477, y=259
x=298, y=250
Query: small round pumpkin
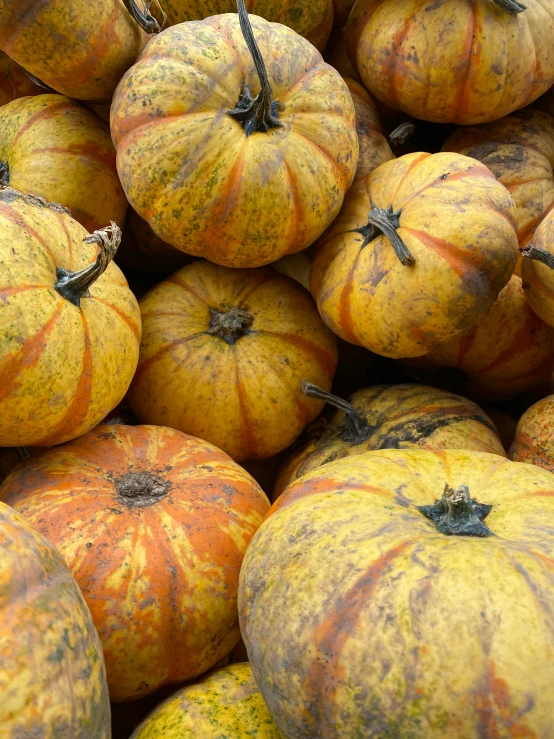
x=14, y=83
x=418, y=254
x=52, y=676
x=537, y=270
x=390, y=417
x=397, y=564
x=237, y=180
x=56, y=148
x=534, y=437
x=226, y=703
x=452, y=61
x=70, y=325
x=223, y=355
x=153, y=524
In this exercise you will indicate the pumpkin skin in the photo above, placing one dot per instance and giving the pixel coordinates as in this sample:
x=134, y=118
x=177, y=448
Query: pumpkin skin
x=242, y=394
x=82, y=54
x=399, y=417
x=486, y=64
x=14, y=83
x=62, y=368
x=457, y=221
x=538, y=279
x=534, y=440
x=52, y=676
x=176, y=515
x=241, y=201
x=226, y=703
x=505, y=424
x=336, y=55
x=373, y=594
x=508, y=352
x=298, y=266
x=56, y=148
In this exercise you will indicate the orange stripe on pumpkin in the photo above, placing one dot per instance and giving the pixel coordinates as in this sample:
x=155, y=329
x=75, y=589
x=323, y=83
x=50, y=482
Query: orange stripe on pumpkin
x=323, y=358
x=124, y=317
x=90, y=150
x=43, y=114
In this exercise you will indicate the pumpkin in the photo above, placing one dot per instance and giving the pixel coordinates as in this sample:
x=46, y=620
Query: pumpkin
x=298, y=266
x=505, y=424
x=519, y=151
x=52, y=676
x=536, y=270
x=390, y=417
x=14, y=83
x=70, y=325
x=82, y=54
x=225, y=703
x=418, y=254
x=509, y=351
x=534, y=440
x=398, y=564
x=223, y=354
x=342, y=10
x=243, y=182
x=336, y=55
x=153, y=524
x=451, y=61
x=54, y=147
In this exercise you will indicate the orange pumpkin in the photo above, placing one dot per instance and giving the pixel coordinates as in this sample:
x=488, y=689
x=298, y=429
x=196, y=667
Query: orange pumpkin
x=452, y=61
x=82, y=53
x=537, y=270
x=243, y=182
x=52, y=676
x=223, y=354
x=54, y=147
x=418, y=255
x=14, y=83
x=71, y=327
x=534, y=437
x=153, y=524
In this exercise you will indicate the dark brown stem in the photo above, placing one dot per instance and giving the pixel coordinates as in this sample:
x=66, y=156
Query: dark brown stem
x=401, y=134
x=456, y=514
x=356, y=429
x=23, y=453
x=511, y=6
x=539, y=255
x=381, y=221
x=74, y=285
x=145, y=19
x=4, y=173
x=39, y=83
x=229, y=323
x=259, y=113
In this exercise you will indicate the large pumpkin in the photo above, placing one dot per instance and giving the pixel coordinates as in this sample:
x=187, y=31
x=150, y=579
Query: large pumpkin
x=226, y=703
x=223, y=355
x=418, y=254
x=452, y=61
x=509, y=351
x=405, y=594
x=391, y=417
x=56, y=148
x=82, y=53
x=70, y=325
x=52, y=676
x=153, y=524
x=534, y=438
x=237, y=181
x=14, y=83
x=537, y=270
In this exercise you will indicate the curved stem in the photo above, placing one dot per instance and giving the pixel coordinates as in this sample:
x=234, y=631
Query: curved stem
x=401, y=134
x=456, y=514
x=259, y=113
x=229, y=323
x=39, y=83
x=511, y=6
x=356, y=429
x=74, y=285
x=381, y=221
x=539, y=255
x=145, y=19
x=23, y=453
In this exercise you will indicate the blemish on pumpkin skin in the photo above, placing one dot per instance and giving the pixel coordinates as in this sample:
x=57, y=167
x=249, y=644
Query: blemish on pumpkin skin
x=497, y=716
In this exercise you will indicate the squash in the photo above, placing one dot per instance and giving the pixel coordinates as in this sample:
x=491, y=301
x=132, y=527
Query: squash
x=534, y=440
x=54, y=147
x=225, y=703
x=537, y=270
x=508, y=352
x=505, y=424
x=452, y=61
x=390, y=417
x=82, y=54
x=417, y=256
x=298, y=266
x=14, y=83
x=223, y=354
x=70, y=325
x=336, y=55
x=342, y=10
x=52, y=676
x=243, y=182
x=153, y=524
x=397, y=565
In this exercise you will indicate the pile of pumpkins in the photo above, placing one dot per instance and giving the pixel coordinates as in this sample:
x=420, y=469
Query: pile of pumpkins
x=276, y=369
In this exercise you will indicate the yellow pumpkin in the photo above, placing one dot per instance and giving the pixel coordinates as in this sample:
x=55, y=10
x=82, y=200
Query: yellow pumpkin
x=71, y=327
x=405, y=594
x=298, y=266
x=537, y=270
x=418, y=254
x=534, y=437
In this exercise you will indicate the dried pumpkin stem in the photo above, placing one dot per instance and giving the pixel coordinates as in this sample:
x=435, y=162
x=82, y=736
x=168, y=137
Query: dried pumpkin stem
x=539, y=255
x=23, y=453
x=145, y=19
x=456, y=514
x=511, y=6
x=39, y=83
x=381, y=221
x=401, y=134
x=356, y=429
x=74, y=285
x=229, y=323
x=4, y=173
x=259, y=113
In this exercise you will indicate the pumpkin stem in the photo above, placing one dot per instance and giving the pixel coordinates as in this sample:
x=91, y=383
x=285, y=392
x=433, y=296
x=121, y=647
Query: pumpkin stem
x=23, y=453
x=39, y=83
x=511, y=6
x=229, y=323
x=539, y=255
x=401, y=134
x=145, y=19
x=74, y=285
x=356, y=429
x=4, y=173
x=141, y=489
x=456, y=514
x=381, y=221
x=259, y=113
